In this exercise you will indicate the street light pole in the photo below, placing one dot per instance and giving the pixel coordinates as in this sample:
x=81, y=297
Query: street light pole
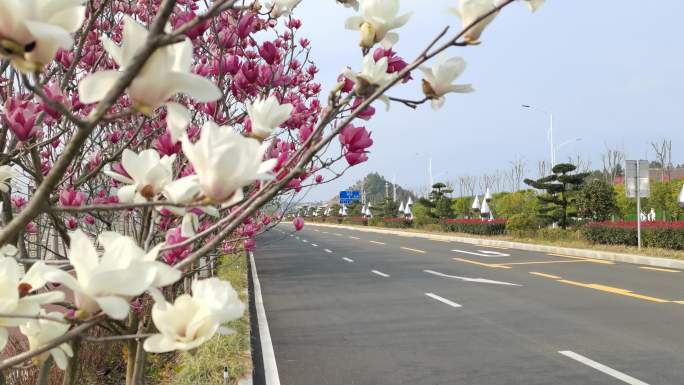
x=550, y=134
x=553, y=146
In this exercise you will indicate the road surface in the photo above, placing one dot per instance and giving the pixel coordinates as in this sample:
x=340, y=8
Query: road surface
x=349, y=307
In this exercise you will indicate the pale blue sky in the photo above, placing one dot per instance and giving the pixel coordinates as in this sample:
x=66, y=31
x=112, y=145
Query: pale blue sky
x=612, y=71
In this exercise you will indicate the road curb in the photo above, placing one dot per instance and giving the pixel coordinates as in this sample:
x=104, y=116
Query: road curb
x=264, y=367
x=595, y=254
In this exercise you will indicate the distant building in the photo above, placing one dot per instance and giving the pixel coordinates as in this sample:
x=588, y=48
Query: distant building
x=658, y=175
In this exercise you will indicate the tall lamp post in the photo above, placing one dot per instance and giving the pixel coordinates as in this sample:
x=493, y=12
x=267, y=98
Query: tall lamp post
x=551, y=144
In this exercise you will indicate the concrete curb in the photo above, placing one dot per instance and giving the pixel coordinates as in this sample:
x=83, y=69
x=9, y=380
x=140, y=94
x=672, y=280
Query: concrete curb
x=595, y=254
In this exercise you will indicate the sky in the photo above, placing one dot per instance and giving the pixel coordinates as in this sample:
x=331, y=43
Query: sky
x=611, y=71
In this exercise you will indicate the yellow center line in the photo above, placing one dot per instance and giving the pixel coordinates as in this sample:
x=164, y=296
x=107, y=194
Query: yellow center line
x=614, y=290
x=496, y=247
x=537, y=263
x=482, y=264
x=377, y=243
x=545, y=275
x=338, y=234
x=353, y=237
x=414, y=250
x=660, y=269
x=679, y=302
x=607, y=289
x=602, y=262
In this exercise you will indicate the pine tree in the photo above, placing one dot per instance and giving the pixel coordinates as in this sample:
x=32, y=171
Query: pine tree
x=558, y=197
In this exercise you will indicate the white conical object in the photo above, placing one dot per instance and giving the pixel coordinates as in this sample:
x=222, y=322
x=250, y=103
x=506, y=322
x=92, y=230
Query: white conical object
x=488, y=195
x=407, y=210
x=369, y=206
x=363, y=210
x=484, y=210
x=681, y=198
x=409, y=202
x=476, y=204
x=401, y=207
x=344, y=211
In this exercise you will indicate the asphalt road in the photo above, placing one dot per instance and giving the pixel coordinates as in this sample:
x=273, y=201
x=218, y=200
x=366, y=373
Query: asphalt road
x=349, y=307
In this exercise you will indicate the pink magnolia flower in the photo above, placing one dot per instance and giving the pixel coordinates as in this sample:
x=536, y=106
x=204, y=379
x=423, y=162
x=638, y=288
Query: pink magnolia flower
x=71, y=198
x=72, y=223
x=250, y=245
x=367, y=112
x=19, y=202
x=21, y=117
x=354, y=158
x=318, y=178
x=298, y=223
x=248, y=231
x=89, y=219
x=394, y=62
x=31, y=228
x=269, y=52
x=355, y=139
x=175, y=255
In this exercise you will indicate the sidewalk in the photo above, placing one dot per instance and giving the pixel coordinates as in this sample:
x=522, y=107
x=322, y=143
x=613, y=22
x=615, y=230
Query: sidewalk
x=595, y=254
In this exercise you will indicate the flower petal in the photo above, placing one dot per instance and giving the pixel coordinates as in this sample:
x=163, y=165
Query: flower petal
x=94, y=87
x=197, y=87
x=177, y=120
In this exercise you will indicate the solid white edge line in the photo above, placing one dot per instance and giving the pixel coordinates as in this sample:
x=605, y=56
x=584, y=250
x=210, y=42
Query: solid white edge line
x=267, y=353
x=443, y=300
x=602, y=368
x=380, y=273
x=348, y=259
x=328, y=251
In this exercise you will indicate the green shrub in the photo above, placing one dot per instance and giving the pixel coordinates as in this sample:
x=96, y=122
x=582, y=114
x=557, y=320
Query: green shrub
x=475, y=226
x=396, y=223
x=665, y=235
x=522, y=222
x=362, y=221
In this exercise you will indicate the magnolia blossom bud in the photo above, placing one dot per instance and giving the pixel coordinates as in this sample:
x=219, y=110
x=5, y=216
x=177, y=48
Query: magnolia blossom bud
x=367, y=36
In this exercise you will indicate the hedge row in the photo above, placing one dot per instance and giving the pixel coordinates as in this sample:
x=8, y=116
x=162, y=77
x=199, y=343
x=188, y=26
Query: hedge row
x=363, y=221
x=397, y=223
x=475, y=226
x=666, y=235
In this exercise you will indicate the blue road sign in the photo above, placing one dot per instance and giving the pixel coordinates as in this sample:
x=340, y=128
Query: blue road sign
x=349, y=197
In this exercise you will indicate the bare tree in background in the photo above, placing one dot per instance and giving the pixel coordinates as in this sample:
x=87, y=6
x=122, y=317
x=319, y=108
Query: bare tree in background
x=612, y=163
x=516, y=173
x=663, y=153
x=467, y=185
x=583, y=165
x=541, y=168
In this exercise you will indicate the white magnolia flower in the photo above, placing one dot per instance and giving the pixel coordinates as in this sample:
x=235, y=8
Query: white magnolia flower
x=108, y=283
x=282, y=7
x=377, y=19
x=266, y=115
x=31, y=31
x=192, y=320
x=350, y=3
x=373, y=76
x=6, y=174
x=438, y=79
x=149, y=174
x=469, y=12
x=165, y=74
x=534, y=4
x=224, y=161
x=16, y=293
x=40, y=332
